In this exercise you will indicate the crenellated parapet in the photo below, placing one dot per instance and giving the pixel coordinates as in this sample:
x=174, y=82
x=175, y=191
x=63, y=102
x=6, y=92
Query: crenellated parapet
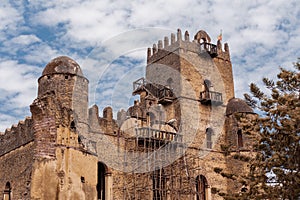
x=107, y=123
x=18, y=135
x=223, y=54
x=201, y=44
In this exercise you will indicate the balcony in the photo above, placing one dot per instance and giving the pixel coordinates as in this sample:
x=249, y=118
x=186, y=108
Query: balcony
x=164, y=94
x=154, y=138
x=211, y=49
x=211, y=98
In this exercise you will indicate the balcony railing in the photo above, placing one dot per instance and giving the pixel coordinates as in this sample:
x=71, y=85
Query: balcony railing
x=211, y=49
x=209, y=97
x=150, y=133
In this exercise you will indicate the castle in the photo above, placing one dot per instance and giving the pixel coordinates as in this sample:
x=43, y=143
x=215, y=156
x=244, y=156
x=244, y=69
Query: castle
x=169, y=145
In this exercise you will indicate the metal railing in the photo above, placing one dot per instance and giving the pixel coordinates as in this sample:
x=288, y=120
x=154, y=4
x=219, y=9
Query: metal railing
x=163, y=93
x=210, y=96
x=210, y=48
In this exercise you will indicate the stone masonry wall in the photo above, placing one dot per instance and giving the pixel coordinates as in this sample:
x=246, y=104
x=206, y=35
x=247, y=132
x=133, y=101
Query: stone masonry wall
x=16, y=158
x=16, y=168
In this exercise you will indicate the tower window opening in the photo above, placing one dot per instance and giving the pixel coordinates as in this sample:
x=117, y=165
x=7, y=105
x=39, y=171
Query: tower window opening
x=82, y=179
x=239, y=139
x=209, y=133
x=66, y=77
x=72, y=126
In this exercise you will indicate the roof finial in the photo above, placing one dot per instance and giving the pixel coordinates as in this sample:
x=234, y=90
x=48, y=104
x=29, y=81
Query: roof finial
x=220, y=36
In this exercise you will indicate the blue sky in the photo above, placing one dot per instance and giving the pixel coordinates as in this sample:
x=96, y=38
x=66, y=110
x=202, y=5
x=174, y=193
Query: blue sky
x=102, y=37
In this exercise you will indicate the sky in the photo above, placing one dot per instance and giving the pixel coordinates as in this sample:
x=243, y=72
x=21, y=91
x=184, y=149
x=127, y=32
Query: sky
x=109, y=38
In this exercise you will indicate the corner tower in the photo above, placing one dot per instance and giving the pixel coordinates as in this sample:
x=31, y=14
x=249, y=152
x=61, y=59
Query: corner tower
x=60, y=119
x=64, y=79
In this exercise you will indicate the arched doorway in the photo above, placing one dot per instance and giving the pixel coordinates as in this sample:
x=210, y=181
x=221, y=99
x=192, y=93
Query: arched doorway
x=201, y=188
x=101, y=181
x=159, y=184
x=7, y=192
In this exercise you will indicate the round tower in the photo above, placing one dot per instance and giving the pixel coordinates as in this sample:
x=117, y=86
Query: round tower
x=63, y=78
x=237, y=109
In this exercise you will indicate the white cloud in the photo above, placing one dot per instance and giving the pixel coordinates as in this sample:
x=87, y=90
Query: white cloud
x=261, y=34
x=9, y=19
x=25, y=39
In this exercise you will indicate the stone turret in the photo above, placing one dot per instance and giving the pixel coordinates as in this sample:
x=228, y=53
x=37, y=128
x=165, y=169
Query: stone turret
x=61, y=105
x=63, y=77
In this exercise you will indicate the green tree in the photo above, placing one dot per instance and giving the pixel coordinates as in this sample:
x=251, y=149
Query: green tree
x=274, y=173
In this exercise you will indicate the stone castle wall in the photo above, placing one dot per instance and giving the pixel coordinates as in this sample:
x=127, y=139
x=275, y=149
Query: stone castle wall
x=17, y=152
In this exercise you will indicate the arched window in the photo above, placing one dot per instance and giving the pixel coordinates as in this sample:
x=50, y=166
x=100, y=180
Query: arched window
x=170, y=82
x=208, y=138
x=207, y=85
x=7, y=192
x=101, y=181
x=158, y=184
x=150, y=118
x=201, y=187
x=239, y=139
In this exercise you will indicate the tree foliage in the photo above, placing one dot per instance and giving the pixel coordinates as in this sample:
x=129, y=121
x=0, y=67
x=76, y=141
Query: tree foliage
x=274, y=172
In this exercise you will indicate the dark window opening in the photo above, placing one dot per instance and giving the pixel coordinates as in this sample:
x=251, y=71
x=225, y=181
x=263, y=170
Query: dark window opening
x=201, y=186
x=48, y=77
x=244, y=189
x=82, y=179
x=101, y=181
x=208, y=138
x=72, y=126
x=240, y=139
x=7, y=192
x=207, y=85
x=159, y=184
x=66, y=77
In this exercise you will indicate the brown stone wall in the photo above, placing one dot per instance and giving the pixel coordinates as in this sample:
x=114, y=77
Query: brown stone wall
x=72, y=175
x=16, y=168
x=225, y=69
x=16, y=158
x=71, y=92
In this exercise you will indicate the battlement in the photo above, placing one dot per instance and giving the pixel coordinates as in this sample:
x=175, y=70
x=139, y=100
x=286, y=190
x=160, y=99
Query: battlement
x=16, y=136
x=198, y=45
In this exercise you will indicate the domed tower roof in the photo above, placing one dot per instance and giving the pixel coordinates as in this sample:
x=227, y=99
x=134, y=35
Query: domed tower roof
x=62, y=65
x=236, y=105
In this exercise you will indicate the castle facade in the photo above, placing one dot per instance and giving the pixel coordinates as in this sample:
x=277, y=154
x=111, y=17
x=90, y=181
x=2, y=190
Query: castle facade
x=169, y=145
